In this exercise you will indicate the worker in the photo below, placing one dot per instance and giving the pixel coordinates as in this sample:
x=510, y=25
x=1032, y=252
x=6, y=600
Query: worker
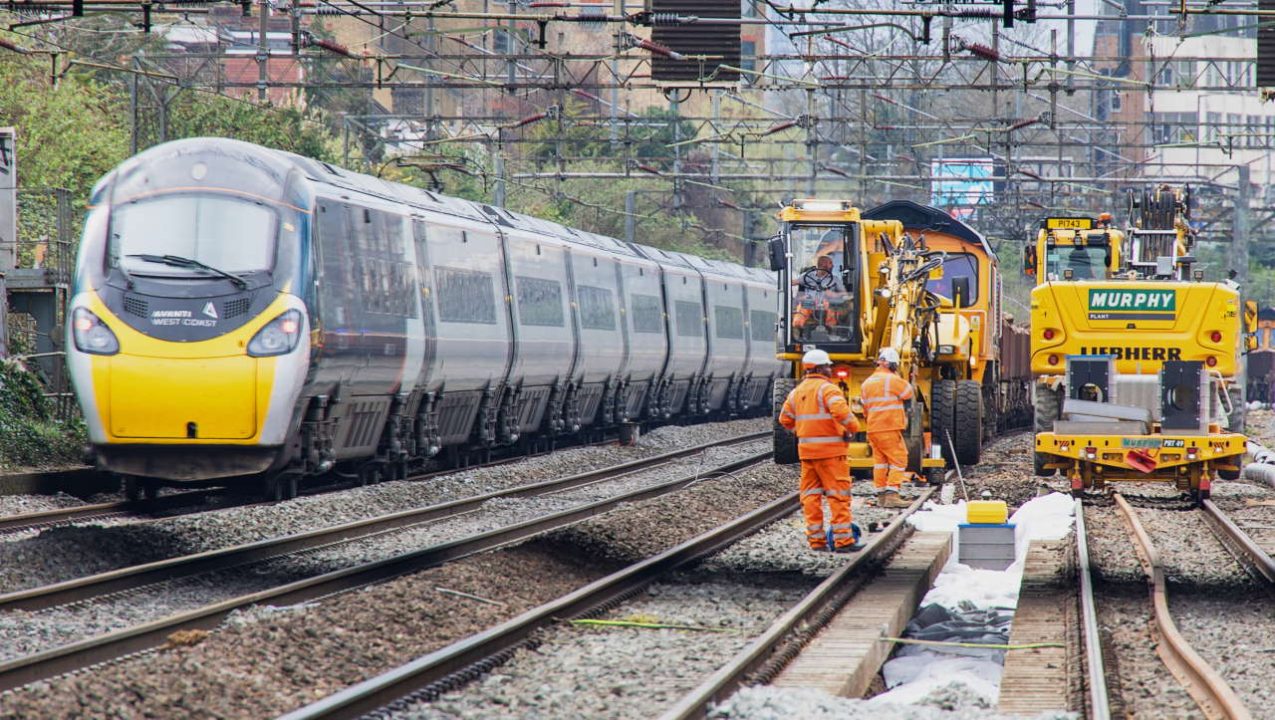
x=883, y=396
x=818, y=290
x=818, y=413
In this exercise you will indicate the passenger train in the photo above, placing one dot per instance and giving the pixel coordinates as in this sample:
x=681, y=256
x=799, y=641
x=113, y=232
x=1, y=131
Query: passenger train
x=242, y=312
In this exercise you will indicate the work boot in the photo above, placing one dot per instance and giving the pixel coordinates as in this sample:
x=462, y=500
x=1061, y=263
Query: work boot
x=854, y=548
x=892, y=499
x=819, y=548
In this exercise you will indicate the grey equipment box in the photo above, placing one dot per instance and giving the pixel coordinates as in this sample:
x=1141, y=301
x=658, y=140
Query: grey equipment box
x=987, y=547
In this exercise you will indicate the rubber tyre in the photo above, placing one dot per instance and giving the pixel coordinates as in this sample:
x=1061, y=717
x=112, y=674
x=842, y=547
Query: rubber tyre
x=969, y=422
x=1047, y=405
x=943, y=415
x=914, y=438
x=1237, y=420
x=785, y=440
x=1038, y=462
x=1229, y=474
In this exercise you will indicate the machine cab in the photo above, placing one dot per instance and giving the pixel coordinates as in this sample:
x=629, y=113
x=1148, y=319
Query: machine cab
x=818, y=257
x=1073, y=248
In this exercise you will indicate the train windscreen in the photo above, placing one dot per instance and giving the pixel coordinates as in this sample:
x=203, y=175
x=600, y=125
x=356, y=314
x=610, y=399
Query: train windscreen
x=231, y=234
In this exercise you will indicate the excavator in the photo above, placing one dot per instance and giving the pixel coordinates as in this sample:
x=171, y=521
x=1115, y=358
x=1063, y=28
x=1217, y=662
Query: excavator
x=850, y=286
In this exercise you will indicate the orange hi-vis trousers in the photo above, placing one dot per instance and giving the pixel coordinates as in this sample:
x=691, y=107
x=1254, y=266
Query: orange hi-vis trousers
x=889, y=459
x=826, y=478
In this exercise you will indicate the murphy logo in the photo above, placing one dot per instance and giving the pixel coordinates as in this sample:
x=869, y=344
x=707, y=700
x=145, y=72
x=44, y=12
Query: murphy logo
x=1106, y=304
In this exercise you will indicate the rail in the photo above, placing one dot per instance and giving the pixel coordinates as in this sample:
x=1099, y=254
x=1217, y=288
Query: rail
x=441, y=665
x=807, y=616
x=1099, y=703
x=74, y=656
x=1209, y=689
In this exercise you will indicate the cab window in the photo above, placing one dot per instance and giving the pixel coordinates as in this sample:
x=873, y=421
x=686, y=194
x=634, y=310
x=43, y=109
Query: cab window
x=1086, y=262
x=957, y=265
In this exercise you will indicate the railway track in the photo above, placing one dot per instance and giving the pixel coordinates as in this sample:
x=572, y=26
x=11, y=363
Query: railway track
x=1206, y=685
x=147, y=510
x=457, y=664
x=75, y=655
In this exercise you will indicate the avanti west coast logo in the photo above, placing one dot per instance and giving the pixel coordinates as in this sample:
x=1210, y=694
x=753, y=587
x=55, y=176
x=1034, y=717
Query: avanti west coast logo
x=1110, y=304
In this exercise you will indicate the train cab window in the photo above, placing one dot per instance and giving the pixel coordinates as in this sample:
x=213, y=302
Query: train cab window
x=465, y=296
x=597, y=311
x=647, y=312
x=233, y=234
x=730, y=322
x=539, y=302
x=957, y=265
x=690, y=319
x=761, y=325
x=1086, y=262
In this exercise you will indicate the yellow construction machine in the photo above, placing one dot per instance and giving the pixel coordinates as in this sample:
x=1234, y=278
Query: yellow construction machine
x=1135, y=356
x=851, y=286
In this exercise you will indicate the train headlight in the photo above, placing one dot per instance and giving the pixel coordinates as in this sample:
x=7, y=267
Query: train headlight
x=91, y=334
x=278, y=337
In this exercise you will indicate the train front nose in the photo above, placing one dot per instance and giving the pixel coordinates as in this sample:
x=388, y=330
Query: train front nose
x=196, y=398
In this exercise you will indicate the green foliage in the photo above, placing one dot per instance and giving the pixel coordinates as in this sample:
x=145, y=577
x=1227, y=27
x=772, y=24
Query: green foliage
x=63, y=137
x=649, y=136
x=195, y=115
x=29, y=434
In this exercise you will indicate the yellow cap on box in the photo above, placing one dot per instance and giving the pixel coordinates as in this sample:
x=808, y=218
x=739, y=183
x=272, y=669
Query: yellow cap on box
x=986, y=512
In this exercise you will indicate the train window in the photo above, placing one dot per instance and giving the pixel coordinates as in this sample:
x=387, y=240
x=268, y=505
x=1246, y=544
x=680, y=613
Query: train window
x=730, y=322
x=465, y=296
x=761, y=325
x=647, y=313
x=539, y=302
x=957, y=265
x=690, y=319
x=597, y=311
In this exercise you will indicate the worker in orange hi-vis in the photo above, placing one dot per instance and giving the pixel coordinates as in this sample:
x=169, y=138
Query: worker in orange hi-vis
x=883, y=396
x=818, y=413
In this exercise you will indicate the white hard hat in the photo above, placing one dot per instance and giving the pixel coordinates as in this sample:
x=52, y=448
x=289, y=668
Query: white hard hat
x=888, y=354
x=815, y=358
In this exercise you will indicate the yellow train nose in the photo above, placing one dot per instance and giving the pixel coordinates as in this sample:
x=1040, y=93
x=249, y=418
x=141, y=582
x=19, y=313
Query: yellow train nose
x=163, y=398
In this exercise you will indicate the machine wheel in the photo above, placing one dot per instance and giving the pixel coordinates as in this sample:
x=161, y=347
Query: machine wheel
x=943, y=415
x=1229, y=474
x=785, y=440
x=1237, y=419
x=914, y=439
x=1039, y=461
x=969, y=422
x=132, y=488
x=1048, y=407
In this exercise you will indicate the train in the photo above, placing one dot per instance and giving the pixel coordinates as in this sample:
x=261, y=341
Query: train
x=243, y=314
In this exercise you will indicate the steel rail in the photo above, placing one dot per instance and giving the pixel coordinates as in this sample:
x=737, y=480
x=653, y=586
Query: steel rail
x=806, y=617
x=92, y=586
x=1235, y=537
x=1099, y=703
x=110, y=646
x=98, y=511
x=1208, y=688
x=438, y=666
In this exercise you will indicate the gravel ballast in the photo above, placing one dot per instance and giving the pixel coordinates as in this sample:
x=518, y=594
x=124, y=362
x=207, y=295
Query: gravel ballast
x=265, y=663
x=24, y=633
x=66, y=552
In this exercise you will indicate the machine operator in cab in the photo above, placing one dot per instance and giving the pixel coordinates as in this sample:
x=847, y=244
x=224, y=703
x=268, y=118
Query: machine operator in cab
x=818, y=413
x=820, y=298
x=884, y=396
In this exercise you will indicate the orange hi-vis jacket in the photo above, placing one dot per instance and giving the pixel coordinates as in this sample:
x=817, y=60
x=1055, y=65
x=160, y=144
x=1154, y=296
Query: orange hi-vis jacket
x=882, y=396
x=819, y=414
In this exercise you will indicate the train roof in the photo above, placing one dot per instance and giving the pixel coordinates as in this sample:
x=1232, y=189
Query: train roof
x=916, y=216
